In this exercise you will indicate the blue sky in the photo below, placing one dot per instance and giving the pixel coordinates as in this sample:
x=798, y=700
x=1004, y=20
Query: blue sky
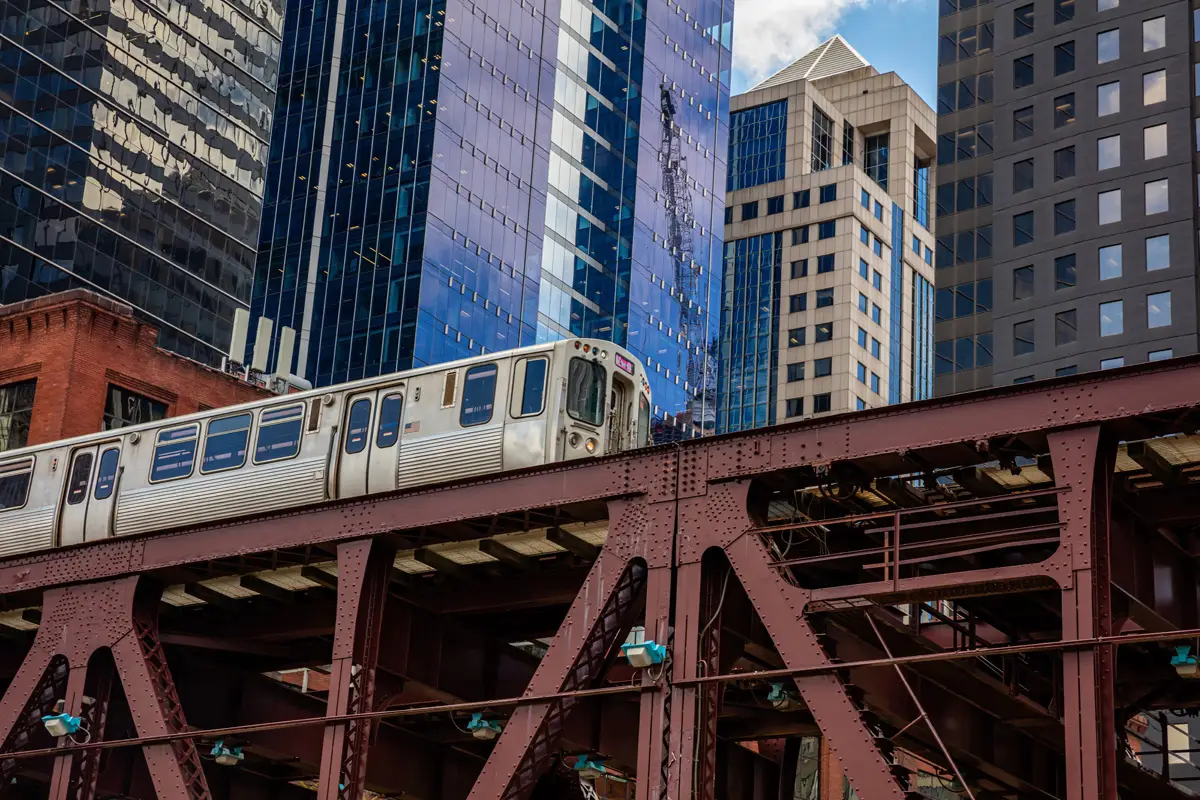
x=894, y=35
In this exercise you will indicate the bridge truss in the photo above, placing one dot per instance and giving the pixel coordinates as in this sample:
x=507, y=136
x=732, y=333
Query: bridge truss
x=975, y=597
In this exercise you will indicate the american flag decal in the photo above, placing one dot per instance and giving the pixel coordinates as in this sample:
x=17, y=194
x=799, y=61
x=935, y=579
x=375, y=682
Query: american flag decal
x=412, y=427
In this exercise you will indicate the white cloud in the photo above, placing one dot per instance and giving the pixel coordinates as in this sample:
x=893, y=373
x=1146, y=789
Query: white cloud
x=770, y=34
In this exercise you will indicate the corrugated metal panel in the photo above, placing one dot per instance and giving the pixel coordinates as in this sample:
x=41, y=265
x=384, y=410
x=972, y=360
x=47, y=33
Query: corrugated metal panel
x=450, y=456
x=204, y=498
x=25, y=530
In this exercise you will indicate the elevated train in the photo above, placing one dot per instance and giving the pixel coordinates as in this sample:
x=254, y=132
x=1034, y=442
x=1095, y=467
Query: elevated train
x=571, y=399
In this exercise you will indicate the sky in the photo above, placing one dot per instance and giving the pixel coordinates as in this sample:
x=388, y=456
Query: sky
x=894, y=35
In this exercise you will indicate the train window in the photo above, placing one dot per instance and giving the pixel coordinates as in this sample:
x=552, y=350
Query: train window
x=278, y=434
x=531, y=379
x=449, y=385
x=174, y=453
x=643, y=420
x=314, y=416
x=106, y=475
x=358, y=426
x=390, y=409
x=479, y=395
x=226, y=442
x=586, y=384
x=81, y=476
x=14, y=484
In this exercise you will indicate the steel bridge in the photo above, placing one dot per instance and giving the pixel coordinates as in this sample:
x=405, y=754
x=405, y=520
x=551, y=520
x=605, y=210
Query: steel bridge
x=984, y=592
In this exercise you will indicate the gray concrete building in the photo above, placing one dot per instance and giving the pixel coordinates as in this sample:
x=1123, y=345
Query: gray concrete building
x=1067, y=190
x=827, y=281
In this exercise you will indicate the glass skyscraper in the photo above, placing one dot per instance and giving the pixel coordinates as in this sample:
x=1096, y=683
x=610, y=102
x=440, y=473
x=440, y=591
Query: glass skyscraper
x=449, y=178
x=133, y=146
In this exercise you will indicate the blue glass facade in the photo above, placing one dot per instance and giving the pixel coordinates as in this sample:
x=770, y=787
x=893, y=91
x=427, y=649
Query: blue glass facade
x=750, y=310
x=133, y=148
x=896, y=306
x=922, y=337
x=757, y=145
x=452, y=177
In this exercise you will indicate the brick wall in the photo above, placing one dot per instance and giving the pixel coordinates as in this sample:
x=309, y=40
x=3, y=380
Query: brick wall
x=77, y=343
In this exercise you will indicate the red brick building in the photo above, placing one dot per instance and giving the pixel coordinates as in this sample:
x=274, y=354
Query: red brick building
x=75, y=363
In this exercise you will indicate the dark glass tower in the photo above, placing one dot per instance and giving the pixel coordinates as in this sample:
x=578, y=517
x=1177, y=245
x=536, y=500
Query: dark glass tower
x=133, y=143
x=452, y=177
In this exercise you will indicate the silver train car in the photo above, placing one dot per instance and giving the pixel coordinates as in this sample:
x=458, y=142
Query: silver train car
x=572, y=399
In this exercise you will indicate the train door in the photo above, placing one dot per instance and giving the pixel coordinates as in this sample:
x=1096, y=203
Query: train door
x=87, y=510
x=370, y=443
x=619, y=415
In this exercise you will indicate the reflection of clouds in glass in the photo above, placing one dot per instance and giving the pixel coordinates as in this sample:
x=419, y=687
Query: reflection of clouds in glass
x=1112, y=318
x=1158, y=310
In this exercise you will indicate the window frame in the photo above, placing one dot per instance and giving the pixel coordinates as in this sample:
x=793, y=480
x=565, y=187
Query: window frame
x=379, y=419
x=263, y=424
x=112, y=484
x=158, y=442
x=519, y=380
x=495, y=366
x=17, y=467
x=79, y=494
x=249, y=416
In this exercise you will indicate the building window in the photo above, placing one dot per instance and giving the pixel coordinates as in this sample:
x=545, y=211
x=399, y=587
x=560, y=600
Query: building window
x=795, y=372
x=823, y=332
x=1022, y=175
x=1064, y=11
x=876, y=314
x=728, y=215
x=874, y=383
x=822, y=367
x=822, y=403
x=1023, y=379
x=1064, y=58
x=879, y=211
x=122, y=407
x=875, y=347
x=1063, y=372
x=828, y=193
x=1158, y=252
x=750, y=210
x=757, y=143
x=860, y=404
x=1160, y=355
x=865, y=200
x=1111, y=260
x=1108, y=99
x=801, y=199
x=1023, y=338
x=822, y=140
x=864, y=235
x=795, y=407
x=1022, y=228
x=1112, y=318
x=797, y=303
x=1112, y=363
x=1064, y=163
x=1108, y=152
x=825, y=263
x=799, y=269
x=1023, y=21
x=862, y=338
x=1023, y=123
x=861, y=372
x=1065, y=327
x=1064, y=110
x=796, y=337
x=1158, y=310
x=1108, y=46
x=1109, y=207
x=1023, y=283
x=877, y=280
x=1023, y=71
x=847, y=143
x=1154, y=87
x=862, y=302
x=1107, y=5
x=827, y=229
x=1154, y=34
x=16, y=412
x=863, y=269
x=824, y=298
x=800, y=235
x=878, y=247
x=1157, y=201
x=1064, y=272
x=1064, y=217
x=876, y=159
x=775, y=205
x=1154, y=141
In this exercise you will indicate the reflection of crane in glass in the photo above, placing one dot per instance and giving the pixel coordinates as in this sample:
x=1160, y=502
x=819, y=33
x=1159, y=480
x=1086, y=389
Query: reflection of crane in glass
x=678, y=199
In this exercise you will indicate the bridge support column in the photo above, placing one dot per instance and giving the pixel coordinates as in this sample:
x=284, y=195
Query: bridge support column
x=363, y=568
x=1083, y=462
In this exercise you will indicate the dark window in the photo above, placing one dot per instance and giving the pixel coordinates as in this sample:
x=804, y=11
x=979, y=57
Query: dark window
x=1023, y=71
x=1064, y=11
x=122, y=407
x=801, y=199
x=964, y=248
x=800, y=268
x=983, y=295
x=947, y=49
x=964, y=300
x=106, y=475
x=985, y=37
x=775, y=205
x=943, y=357
x=533, y=389
x=1023, y=123
x=1023, y=21
x=174, y=453
x=16, y=411
x=944, y=304
x=795, y=407
x=586, y=384
x=983, y=190
x=968, y=43
x=945, y=148
x=226, y=442
x=983, y=91
x=945, y=199
x=1022, y=283
x=1066, y=329
x=728, y=215
x=358, y=426
x=945, y=251
x=14, y=483
x=983, y=242
x=1063, y=372
x=1023, y=379
x=947, y=7
x=1064, y=163
x=387, y=429
x=81, y=476
x=1022, y=175
x=1064, y=217
x=828, y=193
x=797, y=303
x=825, y=263
x=966, y=194
x=983, y=350
x=479, y=394
x=800, y=235
x=964, y=354
x=822, y=140
x=1064, y=58
x=824, y=298
x=1064, y=110
x=822, y=367
x=827, y=229
x=823, y=332
x=1022, y=228
x=822, y=403
x=847, y=143
x=795, y=372
x=1064, y=271
x=796, y=337
x=1023, y=338
x=750, y=210
x=279, y=432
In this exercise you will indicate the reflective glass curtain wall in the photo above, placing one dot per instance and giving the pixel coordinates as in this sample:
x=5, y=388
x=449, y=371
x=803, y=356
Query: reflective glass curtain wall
x=133, y=144
x=757, y=145
x=750, y=333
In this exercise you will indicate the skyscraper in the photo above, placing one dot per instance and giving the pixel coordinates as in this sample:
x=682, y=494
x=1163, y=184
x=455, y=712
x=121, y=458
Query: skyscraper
x=453, y=177
x=1067, y=191
x=828, y=265
x=133, y=144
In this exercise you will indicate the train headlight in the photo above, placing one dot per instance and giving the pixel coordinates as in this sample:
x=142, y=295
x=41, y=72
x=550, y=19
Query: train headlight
x=590, y=446
x=603, y=354
x=573, y=440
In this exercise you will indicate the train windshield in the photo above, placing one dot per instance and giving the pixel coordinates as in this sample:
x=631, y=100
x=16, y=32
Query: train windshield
x=586, y=384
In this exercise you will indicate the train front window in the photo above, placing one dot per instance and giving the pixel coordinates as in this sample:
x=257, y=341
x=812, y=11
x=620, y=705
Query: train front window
x=586, y=383
x=643, y=420
x=479, y=395
x=14, y=484
x=81, y=476
x=106, y=476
